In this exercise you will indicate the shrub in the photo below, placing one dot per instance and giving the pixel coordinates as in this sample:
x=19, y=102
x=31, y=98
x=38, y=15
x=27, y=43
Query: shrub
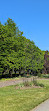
x=36, y=83
x=39, y=74
x=41, y=85
x=45, y=75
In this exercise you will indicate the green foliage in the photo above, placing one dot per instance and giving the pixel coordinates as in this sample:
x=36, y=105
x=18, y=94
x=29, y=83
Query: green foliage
x=45, y=75
x=17, y=52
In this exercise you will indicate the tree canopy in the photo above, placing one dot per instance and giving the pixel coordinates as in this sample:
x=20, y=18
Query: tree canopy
x=18, y=53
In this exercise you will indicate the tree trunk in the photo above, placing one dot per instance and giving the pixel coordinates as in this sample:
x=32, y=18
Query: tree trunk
x=27, y=73
x=10, y=73
x=15, y=71
x=19, y=71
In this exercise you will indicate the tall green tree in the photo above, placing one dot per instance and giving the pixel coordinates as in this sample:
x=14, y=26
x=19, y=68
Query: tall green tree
x=17, y=52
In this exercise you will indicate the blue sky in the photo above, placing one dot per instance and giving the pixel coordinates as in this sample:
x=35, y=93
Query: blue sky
x=31, y=16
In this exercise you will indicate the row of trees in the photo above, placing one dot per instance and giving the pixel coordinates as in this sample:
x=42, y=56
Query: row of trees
x=46, y=62
x=18, y=53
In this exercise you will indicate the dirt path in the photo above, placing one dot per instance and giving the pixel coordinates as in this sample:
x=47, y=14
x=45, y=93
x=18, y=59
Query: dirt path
x=13, y=82
x=42, y=107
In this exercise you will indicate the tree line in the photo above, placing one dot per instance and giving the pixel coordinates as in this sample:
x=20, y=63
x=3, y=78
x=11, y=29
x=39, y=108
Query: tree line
x=18, y=54
x=46, y=62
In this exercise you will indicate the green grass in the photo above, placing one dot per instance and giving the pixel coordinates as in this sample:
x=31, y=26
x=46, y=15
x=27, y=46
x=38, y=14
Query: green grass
x=5, y=79
x=12, y=99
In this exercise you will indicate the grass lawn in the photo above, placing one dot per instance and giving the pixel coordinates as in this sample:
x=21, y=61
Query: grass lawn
x=12, y=99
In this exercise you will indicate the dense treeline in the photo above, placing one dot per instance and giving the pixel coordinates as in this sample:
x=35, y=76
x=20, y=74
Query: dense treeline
x=18, y=54
x=46, y=62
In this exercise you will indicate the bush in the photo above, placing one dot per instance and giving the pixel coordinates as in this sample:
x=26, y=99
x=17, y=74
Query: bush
x=45, y=75
x=41, y=85
x=36, y=83
x=26, y=83
x=39, y=74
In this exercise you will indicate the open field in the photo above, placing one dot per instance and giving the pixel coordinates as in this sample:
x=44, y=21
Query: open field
x=12, y=99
